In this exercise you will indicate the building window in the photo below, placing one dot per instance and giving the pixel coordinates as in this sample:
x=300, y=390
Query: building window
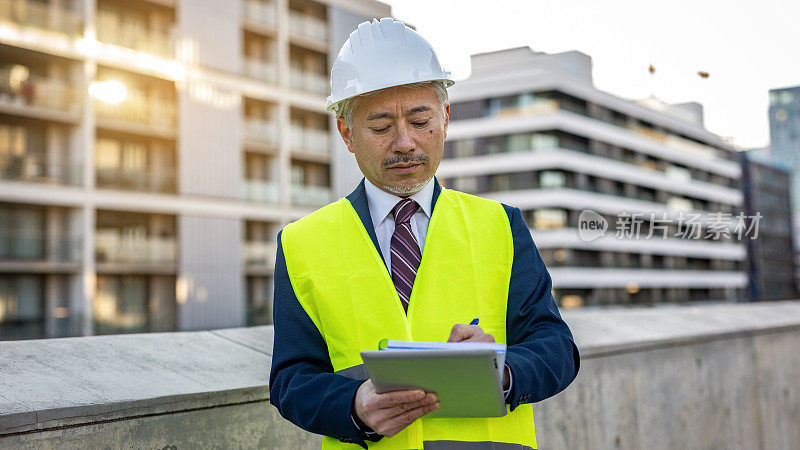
x=552, y=180
x=466, y=184
x=547, y=219
x=680, y=174
x=679, y=204
x=21, y=307
x=544, y=141
x=464, y=149
x=120, y=304
x=298, y=174
x=259, y=300
x=22, y=155
x=134, y=303
x=127, y=156
x=135, y=165
x=500, y=182
x=501, y=106
x=518, y=143
x=21, y=232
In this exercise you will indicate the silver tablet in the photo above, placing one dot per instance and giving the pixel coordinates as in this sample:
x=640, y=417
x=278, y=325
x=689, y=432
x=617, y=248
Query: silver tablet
x=466, y=381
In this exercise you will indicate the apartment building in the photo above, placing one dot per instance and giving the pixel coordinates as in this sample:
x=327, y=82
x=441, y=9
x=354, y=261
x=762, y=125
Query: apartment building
x=151, y=150
x=529, y=129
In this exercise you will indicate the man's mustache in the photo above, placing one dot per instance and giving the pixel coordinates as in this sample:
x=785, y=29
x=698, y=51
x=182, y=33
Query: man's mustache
x=405, y=159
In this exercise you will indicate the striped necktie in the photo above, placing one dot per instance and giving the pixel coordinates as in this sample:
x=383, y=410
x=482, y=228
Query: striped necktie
x=405, y=251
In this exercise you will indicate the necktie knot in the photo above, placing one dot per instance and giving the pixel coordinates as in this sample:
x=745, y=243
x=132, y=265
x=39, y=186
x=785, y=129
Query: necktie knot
x=403, y=210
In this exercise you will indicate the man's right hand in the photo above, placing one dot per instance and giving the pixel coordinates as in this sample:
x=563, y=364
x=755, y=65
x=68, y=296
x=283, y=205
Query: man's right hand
x=389, y=413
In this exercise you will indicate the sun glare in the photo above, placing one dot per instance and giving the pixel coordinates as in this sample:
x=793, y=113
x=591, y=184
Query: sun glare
x=110, y=91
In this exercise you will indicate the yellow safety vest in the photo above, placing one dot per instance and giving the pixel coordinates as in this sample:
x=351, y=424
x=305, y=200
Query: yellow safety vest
x=342, y=283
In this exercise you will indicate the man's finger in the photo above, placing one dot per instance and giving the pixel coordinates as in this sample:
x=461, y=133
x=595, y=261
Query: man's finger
x=385, y=414
x=398, y=423
x=480, y=337
x=461, y=332
x=394, y=398
x=401, y=408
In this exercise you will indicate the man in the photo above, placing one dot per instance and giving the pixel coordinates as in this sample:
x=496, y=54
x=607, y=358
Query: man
x=404, y=258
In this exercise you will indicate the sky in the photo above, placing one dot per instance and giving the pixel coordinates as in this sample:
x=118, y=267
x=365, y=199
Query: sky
x=747, y=47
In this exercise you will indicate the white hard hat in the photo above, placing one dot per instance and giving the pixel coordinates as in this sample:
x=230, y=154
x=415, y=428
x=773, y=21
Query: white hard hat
x=381, y=54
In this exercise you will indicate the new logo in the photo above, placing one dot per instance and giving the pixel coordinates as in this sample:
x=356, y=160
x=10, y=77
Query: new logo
x=591, y=225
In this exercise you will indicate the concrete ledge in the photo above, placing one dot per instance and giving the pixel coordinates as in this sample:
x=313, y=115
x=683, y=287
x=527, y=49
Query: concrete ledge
x=678, y=374
x=712, y=376
x=53, y=383
x=600, y=332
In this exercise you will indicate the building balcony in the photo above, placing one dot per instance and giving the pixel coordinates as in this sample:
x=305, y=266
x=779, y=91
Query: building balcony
x=161, y=181
x=139, y=109
x=42, y=16
x=25, y=92
x=533, y=108
x=260, y=69
x=16, y=248
x=259, y=253
x=594, y=277
x=310, y=140
x=557, y=158
x=307, y=27
x=261, y=131
x=309, y=82
x=577, y=199
x=676, y=142
x=307, y=195
x=261, y=13
x=31, y=169
x=592, y=129
x=260, y=191
x=116, y=30
x=569, y=238
x=111, y=248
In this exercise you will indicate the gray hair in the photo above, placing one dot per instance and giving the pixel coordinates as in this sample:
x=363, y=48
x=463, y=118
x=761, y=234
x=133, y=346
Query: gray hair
x=346, y=108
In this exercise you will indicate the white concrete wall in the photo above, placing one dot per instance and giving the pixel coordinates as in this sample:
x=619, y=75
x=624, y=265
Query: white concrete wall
x=210, y=279
x=712, y=376
x=210, y=33
x=696, y=378
x=210, y=288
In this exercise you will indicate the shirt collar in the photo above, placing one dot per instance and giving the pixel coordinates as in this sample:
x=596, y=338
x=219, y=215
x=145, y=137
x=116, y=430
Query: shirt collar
x=381, y=202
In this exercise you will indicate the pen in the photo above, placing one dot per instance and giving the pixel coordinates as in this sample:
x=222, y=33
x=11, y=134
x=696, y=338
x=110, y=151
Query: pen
x=474, y=321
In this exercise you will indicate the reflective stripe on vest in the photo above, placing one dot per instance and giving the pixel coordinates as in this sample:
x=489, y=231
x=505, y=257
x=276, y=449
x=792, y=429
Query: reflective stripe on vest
x=341, y=281
x=462, y=445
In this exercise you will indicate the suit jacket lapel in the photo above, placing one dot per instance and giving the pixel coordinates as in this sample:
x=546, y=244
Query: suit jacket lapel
x=358, y=198
x=437, y=189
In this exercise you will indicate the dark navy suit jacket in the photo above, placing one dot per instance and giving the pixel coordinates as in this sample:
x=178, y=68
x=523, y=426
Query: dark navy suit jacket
x=541, y=354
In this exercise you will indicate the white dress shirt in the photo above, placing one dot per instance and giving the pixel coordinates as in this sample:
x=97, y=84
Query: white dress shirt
x=381, y=204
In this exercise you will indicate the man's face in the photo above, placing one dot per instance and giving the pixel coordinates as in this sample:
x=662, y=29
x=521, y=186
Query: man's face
x=397, y=137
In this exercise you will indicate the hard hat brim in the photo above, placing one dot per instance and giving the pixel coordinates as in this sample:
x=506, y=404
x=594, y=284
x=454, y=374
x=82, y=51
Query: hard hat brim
x=331, y=102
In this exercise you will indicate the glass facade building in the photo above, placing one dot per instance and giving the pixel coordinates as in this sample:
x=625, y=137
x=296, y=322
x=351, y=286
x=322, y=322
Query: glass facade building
x=784, y=133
